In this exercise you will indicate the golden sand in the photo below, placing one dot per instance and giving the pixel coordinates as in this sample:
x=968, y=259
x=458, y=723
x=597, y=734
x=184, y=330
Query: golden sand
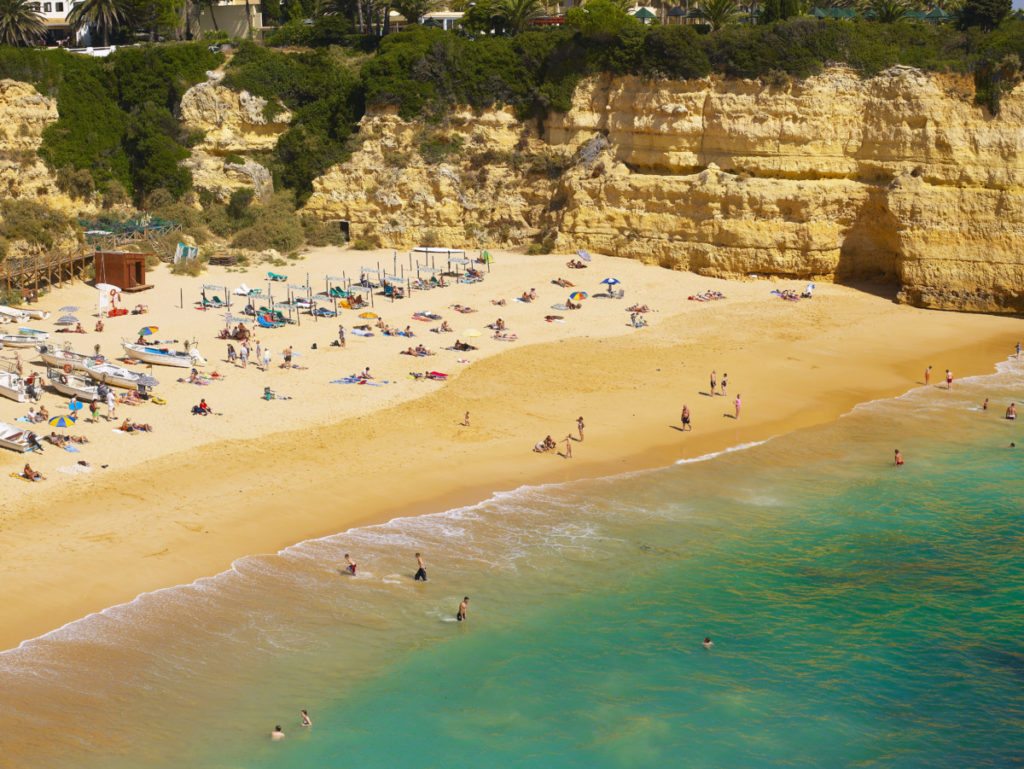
x=186, y=500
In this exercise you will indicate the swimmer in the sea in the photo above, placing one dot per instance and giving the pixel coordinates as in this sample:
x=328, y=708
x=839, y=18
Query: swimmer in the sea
x=898, y=458
x=708, y=643
x=1011, y=412
x=351, y=568
x=421, y=572
x=277, y=735
x=462, y=609
x=306, y=720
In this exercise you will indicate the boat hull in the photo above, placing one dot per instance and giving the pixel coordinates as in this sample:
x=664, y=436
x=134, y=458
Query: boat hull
x=61, y=358
x=72, y=385
x=176, y=359
x=118, y=377
x=19, y=340
x=14, y=439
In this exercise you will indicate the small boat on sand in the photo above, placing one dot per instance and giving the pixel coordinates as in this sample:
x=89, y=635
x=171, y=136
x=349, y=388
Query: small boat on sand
x=119, y=376
x=72, y=385
x=9, y=314
x=66, y=357
x=21, y=340
x=16, y=439
x=164, y=356
x=13, y=386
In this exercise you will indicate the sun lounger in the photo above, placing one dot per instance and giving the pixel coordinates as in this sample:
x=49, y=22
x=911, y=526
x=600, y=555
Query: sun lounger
x=264, y=321
x=276, y=278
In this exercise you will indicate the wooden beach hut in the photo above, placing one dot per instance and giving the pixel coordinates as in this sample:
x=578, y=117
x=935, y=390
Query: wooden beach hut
x=124, y=269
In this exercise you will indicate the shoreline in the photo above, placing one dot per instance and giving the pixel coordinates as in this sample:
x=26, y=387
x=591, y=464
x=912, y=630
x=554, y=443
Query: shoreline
x=287, y=487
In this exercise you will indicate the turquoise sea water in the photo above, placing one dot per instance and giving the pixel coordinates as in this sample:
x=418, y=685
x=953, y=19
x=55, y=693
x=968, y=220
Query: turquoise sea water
x=861, y=616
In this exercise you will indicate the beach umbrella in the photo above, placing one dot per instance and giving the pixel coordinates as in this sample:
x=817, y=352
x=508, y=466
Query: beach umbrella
x=577, y=295
x=610, y=281
x=583, y=255
x=472, y=333
x=368, y=315
x=148, y=330
x=66, y=320
x=69, y=308
x=62, y=421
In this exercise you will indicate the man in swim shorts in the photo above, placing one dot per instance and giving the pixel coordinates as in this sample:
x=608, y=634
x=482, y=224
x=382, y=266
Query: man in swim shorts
x=461, y=615
x=351, y=568
x=421, y=572
x=1011, y=412
x=685, y=418
x=949, y=379
x=898, y=458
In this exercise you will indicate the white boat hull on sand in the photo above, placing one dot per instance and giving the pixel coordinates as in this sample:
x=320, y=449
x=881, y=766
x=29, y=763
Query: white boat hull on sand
x=14, y=438
x=73, y=385
x=12, y=313
x=20, y=340
x=118, y=376
x=13, y=386
x=61, y=358
x=161, y=356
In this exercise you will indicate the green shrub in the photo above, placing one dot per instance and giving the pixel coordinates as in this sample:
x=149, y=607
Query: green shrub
x=237, y=160
x=238, y=205
x=32, y=222
x=440, y=147
x=275, y=226
x=365, y=244
x=77, y=184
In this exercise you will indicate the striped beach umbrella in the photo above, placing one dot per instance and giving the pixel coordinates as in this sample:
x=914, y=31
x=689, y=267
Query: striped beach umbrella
x=62, y=421
x=577, y=295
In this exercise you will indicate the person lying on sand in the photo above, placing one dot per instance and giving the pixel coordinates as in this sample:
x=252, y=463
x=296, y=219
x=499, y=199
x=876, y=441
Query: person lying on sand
x=638, y=308
x=463, y=310
x=564, y=283
x=499, y=302
x=58, y=439
x=571, y=305
x=132, y=427
x=576, y=264
x=462, y=346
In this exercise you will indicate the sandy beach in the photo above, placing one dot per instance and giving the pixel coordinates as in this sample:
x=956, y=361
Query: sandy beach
x=198, y=492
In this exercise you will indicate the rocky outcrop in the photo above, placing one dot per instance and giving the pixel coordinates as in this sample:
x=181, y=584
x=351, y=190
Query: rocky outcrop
x=234, y=124
x=24, y=113
x=899, y=177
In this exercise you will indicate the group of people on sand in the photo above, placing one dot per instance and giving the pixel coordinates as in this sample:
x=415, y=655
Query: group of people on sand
x=528, y=296
x=419, y=351
x=549, y=443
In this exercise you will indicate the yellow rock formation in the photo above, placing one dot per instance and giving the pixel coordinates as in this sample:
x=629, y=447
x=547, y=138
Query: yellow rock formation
x=899, y=177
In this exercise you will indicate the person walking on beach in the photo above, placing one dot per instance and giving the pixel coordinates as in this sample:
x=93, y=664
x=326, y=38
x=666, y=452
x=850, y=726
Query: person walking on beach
x=898, y=458
x=928, y=375
x=568, y=446
x=306, y=720
x=949, y=379
x=465, y=420
x=243, y=353
x=738, y=403
x=685, y=418
x=111, y=405
x=421, y=572
x=461, y=614
x=341, y=337
x=259, y=353
x=714, y=382
x=351, y=568
x=231, y=354
x=579, y=426
x=725, y=382
x=267, y=359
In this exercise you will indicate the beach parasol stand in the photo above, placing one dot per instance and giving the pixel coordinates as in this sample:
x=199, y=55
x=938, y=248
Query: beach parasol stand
x=64, y=420
x=577, y=295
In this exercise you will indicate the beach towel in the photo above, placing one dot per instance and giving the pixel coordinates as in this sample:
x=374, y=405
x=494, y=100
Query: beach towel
x=561, y=307
x=361, y=332
x=357, y=380
x=70, y=449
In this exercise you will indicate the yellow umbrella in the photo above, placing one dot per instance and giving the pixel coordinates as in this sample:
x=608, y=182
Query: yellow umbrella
x=368, y=315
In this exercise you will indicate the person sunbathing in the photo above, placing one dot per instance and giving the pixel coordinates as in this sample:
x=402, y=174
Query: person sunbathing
x=571, y=305
x=79, y=329
x=31, y=474
x=576, y=264
x=133, y=427
x=564, y=283
x=526, y=297
x=499, y=302
x=99, y=325
x=42, y=415
x=445, y=327
x=463, y=346
x=57, y=440
x=408, y=332
x=639, y=308
x=421, y=350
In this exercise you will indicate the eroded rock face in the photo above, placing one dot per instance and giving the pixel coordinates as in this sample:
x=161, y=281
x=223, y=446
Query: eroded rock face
x=899, y=178
x=233, y=124
x=24, y=113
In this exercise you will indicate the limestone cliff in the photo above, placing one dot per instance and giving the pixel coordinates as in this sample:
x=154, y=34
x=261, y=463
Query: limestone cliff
x=24, y=113
x=233, y=124
x=899, y=177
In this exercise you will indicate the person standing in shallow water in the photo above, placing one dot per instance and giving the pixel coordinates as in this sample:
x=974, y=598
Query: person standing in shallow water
x=949, y=379
x=461, y=615
x=351, y=567
x=579, y=426
x=898, y=458
x=421, y=572
x=928, y=375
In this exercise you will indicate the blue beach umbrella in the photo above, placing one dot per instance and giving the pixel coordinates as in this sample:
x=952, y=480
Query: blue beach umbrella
x=611, y=281
x=62, y=421
x=67, y=320
x=69, y=308
x=583, y=255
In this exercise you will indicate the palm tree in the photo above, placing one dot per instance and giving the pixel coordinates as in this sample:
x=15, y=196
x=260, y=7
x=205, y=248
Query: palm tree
x=414, y=10
x=887, y=11
x=20, y=23
x=105, y=14
x=516, y=15
x=719, y=13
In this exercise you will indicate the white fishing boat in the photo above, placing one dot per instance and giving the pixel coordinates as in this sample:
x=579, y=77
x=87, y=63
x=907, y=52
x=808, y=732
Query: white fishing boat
x=36, y=314
x=13, y=386
x=73, y=384
x=118, y=376
x=39, y=335
x=12, y=313
x=20, y=340
x=66, y=357
x=164, y=356
x=16, y=439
